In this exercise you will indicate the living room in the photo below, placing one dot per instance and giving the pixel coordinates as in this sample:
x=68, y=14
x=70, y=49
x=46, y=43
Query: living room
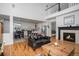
x=54, y=33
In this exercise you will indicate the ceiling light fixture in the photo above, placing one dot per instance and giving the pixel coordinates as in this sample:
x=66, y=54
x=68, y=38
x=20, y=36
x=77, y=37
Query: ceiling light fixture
x=13, y=5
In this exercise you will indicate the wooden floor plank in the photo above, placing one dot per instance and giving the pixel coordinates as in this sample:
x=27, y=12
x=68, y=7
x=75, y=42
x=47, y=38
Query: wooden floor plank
x=22, y=49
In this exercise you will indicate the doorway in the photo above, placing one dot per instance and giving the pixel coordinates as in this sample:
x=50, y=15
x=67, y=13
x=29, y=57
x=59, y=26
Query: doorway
x=53, y=27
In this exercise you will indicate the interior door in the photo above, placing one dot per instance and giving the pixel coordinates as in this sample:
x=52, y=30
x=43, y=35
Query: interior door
x=1, y=31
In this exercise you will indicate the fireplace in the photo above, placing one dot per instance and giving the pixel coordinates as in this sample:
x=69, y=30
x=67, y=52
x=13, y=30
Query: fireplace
x=72, y=33
x=69, y=36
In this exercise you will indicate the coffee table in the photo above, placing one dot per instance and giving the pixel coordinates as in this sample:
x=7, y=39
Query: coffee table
x=64, y=49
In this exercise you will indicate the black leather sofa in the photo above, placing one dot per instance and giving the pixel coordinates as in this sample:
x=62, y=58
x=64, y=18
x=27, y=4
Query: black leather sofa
x=36, y=41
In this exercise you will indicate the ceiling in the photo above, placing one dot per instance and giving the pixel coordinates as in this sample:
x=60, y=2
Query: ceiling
x=32, y=12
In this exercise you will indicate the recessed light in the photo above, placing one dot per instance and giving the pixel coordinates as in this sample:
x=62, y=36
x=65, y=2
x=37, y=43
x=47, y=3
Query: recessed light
x=13, y=5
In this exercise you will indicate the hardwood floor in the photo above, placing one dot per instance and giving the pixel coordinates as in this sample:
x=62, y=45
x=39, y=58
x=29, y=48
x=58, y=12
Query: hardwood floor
x=76, y=50
x=22, y=49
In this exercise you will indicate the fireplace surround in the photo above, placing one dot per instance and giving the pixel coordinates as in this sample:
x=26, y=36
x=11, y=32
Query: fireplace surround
x=71, y=30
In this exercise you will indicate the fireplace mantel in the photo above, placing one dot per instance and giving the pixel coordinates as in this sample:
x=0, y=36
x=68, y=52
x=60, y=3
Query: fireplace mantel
x=67, y=28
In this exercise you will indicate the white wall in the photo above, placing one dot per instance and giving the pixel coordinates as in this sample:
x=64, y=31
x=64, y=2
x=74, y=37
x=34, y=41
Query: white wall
x=60, y=20
x=8, y=37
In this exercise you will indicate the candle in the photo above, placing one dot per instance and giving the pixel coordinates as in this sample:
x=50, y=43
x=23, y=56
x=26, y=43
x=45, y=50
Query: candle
x=56, y=43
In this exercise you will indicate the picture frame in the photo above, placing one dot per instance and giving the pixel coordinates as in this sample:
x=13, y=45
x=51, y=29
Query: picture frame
x=69, y=20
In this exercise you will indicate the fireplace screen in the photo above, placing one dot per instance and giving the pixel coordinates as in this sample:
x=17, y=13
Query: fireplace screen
x=69, y=37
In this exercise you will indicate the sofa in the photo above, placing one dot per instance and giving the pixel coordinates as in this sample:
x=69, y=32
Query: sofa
x=36, y=41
